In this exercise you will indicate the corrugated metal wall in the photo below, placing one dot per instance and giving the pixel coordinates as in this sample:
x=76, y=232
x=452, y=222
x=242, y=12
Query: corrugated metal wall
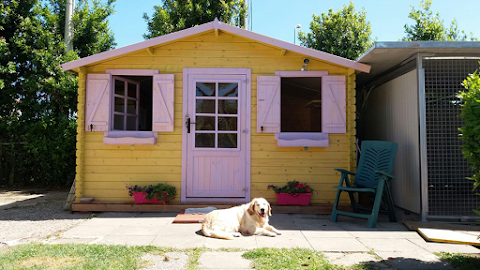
x=392, y=115
x=449, y=192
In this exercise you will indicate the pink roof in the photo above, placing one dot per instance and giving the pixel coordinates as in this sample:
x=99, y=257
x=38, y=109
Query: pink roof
x=216, y=25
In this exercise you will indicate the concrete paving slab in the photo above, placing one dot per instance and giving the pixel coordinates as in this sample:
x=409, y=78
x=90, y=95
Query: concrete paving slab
x=137, y=230
x=444, y=247
x=60, y=241
x=118, y=214
x=179, y=241
x=288, y=239
x=183, y=229
x=390, y=245
x=407, y=260
x=385, y=234
x=229, y=260
x=349, y=259
x=336, y=244
x=126, y=240
x=147, y=221
x=87, y=230
x=327, y=234
x=245, y=242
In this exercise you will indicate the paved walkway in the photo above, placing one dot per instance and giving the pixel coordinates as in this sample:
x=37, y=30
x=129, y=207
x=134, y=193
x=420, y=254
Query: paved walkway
x=346, y=242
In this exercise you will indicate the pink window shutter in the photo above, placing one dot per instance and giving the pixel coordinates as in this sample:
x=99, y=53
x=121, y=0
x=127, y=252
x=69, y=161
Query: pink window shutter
x=334, y=104
x=268, y=104
x=163, y=102
x=97, y=102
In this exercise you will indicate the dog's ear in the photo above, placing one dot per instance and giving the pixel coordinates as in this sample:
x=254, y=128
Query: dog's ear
x=269, y=210
x=251, y=208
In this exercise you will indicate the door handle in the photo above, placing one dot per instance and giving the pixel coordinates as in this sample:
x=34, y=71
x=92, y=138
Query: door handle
x=188, y=123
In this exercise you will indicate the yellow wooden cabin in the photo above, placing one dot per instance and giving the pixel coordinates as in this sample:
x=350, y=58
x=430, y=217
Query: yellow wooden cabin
x=217, y=111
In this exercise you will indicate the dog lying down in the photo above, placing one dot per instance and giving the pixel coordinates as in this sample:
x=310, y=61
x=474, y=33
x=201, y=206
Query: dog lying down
x=250, y=218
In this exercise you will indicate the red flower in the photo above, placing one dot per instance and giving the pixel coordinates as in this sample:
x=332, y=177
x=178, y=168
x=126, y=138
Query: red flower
x=300, y=186
x=306, y=188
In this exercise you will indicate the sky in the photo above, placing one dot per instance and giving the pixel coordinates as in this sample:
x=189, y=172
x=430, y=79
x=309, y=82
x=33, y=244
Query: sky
x=278, y=18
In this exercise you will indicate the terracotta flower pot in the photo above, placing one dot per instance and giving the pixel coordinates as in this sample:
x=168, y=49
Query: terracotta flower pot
x=139, y=198
x=297, y=199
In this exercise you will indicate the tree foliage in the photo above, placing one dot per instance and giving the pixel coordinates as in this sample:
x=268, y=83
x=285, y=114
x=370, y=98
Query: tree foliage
x=38, y=100
x=345, y=32
x=470, y=131
x=429, y=26
x=176, y=15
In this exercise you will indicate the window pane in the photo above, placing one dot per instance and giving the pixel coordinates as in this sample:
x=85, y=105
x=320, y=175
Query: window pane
x=205, y=123
x=228, y=89
x=205, y=106
x=131, y=106
x=205, y=140
x=118, y=122
x=119, y=87
x=227, y=140
x=119, y=104
x=131, y=123
x=227, y=123
x=205, y=89
x=132, y=90
x=227, y=106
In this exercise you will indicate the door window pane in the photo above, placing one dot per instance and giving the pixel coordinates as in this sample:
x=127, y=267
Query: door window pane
x=228, y=89
x=131, y=106
x=118, y=122
x=227, y=106
x=227, y=140
x=205, y=106
x=227, y=123
x=205, y=89
x=119, y=104
x=119, y=87
x=205, y=123
x=131, y=123
x=132, y=90
x=205, y=140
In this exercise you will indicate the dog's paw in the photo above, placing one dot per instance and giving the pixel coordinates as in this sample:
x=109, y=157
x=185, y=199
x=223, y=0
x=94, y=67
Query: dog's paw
x=237, y=234
x=279, y=232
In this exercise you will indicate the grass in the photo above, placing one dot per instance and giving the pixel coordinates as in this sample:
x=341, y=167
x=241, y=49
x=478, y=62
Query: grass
x=460, y=261
x=72, y=256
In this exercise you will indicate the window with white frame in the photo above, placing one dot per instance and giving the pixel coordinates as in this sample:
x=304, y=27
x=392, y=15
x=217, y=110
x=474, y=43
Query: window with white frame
x=129, y=106
x=301, y=107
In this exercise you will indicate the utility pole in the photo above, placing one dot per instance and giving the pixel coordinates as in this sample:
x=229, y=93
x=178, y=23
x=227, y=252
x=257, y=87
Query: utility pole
x=68, y=37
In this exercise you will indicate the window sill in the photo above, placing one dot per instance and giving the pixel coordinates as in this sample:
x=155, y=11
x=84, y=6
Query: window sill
x=130, y=138
x=302, y=139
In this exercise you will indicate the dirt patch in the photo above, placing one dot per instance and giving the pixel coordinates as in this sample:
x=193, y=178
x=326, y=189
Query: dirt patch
x=27, y=216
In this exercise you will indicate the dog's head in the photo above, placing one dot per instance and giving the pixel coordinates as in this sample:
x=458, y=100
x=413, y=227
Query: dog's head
x=260, y=206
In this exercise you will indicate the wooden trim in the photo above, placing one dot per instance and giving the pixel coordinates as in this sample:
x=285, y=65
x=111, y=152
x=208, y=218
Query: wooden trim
x=282, y=52
x=216, y=26
x=150, y=50
x=132, y=72
x=300, y=74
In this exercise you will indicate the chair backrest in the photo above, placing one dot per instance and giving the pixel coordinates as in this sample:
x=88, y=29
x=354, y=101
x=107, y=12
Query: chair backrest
x=375, y=155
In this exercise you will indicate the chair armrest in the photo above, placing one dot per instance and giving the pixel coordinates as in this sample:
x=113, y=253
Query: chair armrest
x=388, y=176
x=344, y=171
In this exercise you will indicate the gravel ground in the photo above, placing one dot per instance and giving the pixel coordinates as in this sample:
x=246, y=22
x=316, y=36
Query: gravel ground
x=27, y=216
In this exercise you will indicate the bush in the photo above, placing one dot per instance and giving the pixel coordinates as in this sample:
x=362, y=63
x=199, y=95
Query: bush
x=470, y=131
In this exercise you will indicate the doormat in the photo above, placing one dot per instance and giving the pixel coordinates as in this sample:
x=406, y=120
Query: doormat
x=193, y=215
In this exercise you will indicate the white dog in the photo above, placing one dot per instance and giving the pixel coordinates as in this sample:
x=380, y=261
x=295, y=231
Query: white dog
x=250, y=218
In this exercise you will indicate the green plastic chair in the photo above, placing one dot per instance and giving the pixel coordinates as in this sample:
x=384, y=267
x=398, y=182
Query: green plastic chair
x=373, y=176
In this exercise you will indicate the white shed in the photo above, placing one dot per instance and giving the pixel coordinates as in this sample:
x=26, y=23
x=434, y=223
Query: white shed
x=409, y=97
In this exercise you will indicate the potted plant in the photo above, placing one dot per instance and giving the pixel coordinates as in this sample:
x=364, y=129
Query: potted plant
x=293, y=193
x=159, y=193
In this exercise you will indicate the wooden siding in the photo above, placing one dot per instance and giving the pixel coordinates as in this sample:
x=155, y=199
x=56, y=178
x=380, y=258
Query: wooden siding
x=394, y=117
x=106, y=169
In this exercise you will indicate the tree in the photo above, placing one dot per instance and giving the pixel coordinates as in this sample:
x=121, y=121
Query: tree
x=38, y=99
x=92, y=33
x=344, y=33
x=429, y=26
x=175, y=15
x=470, y=131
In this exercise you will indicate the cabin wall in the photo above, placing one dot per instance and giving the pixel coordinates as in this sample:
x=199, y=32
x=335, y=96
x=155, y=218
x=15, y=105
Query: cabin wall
x=104, y=170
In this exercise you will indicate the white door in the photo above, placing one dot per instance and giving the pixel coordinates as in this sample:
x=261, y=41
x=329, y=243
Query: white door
x=216, y=129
